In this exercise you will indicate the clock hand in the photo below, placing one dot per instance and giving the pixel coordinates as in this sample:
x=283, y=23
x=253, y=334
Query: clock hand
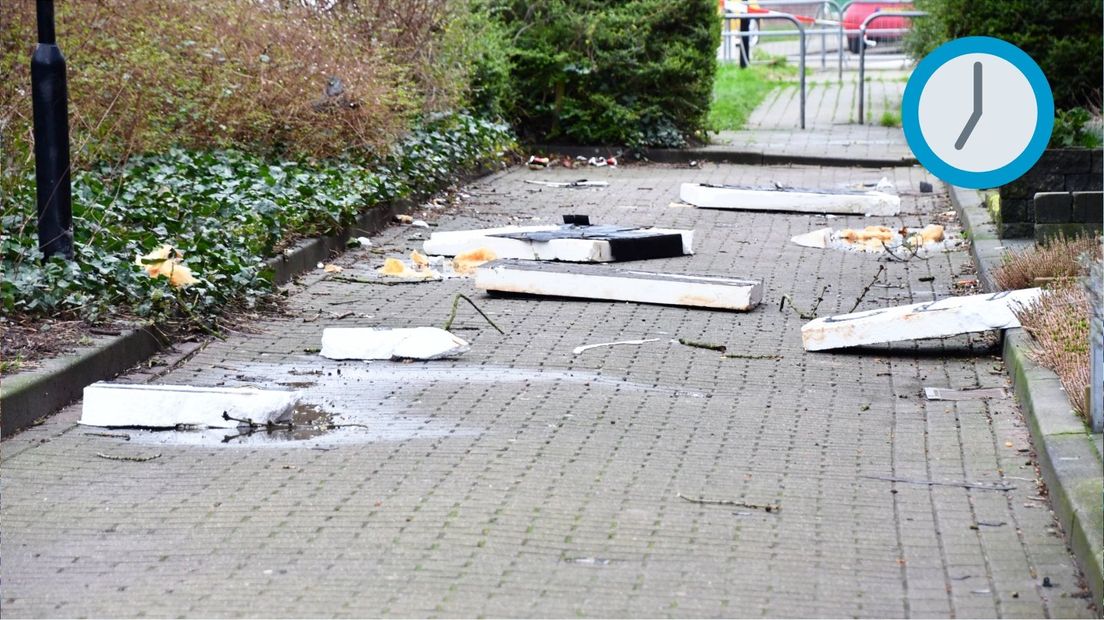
x=976, y=115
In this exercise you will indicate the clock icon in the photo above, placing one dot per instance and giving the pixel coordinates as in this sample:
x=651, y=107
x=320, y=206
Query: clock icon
x=977, y=112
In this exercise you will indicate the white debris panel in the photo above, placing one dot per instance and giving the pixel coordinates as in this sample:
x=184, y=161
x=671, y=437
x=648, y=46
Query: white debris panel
x=901, y=242
x=843, y=202
x=935, y=319
x=168, y=406
x=618, y=284
x=570, y=243
x=366, y=343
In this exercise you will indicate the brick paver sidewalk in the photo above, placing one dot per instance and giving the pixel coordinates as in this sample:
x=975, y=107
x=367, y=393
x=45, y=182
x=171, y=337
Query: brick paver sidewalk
x=523, y=480
x=831, y=119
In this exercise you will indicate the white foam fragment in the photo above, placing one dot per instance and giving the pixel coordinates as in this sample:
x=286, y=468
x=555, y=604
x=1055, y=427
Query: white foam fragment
x=451, y=243
x=167, y=406
x=935, y=319
x=366, y=343
x=750, y=199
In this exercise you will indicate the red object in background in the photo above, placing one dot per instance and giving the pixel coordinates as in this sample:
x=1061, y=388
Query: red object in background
x=859, y=10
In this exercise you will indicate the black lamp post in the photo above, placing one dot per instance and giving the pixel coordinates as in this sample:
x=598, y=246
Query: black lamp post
x=51, y=137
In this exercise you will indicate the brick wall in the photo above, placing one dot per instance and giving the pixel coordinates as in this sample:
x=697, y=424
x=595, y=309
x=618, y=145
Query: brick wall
x=1058, y=170
x=1069, y=213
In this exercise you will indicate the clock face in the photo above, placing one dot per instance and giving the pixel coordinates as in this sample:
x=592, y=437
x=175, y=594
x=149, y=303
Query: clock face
x=977, y=112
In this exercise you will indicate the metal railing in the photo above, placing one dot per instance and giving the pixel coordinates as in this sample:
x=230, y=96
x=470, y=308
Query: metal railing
x=862, y=51
x=826, y=27
x=801, y=40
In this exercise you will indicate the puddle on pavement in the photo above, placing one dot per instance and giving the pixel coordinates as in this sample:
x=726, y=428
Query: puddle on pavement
x=308, y=423
x=369, y=402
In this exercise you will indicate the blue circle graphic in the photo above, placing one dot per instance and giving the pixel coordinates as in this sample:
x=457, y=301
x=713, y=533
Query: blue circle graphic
x=1044, y=103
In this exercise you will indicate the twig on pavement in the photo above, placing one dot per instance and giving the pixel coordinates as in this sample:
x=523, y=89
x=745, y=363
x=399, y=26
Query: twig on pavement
x=135, y=459
x=703, y=345
x=452, y=315
x=858, y=300
x=728, y=502
x=112, y=435
x=811, y=314
x=963, y=485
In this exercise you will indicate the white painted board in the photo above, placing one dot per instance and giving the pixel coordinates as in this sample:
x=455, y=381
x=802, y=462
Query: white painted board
x=619, y=284
x=935, y=319
x=845, y=203
x=451, y=243
x=166, y=406
x=366, y=343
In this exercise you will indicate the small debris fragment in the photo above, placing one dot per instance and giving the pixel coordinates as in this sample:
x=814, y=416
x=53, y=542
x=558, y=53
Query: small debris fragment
x=403, y=218
x=588, y=561
x=332, y=268
x=537, y=163
x=167, y=261
x=1047, y=583
x=580, y=349
x=933, y=393
x=395, y=268
x=926, y=188
x=465, y=263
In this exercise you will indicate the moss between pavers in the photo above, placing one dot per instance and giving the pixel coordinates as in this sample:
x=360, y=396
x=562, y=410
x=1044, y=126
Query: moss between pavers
x=1041, y=388
x=1076, y=484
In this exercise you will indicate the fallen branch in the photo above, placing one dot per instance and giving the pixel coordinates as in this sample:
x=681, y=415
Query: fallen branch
x=746, y=356
x=913, y=248
x=355, y=280
x=858, y=300
x=135, y=459
x=811, y=314
x=703, y=345
x=963, y=485
x=112, y=435
x=727, y=502
x=456, y=303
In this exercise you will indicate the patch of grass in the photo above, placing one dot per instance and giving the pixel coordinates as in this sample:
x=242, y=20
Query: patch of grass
x=890, y=119
x=11, y=366
x=1059, y=323
x=737, y=92
x=1061, y=259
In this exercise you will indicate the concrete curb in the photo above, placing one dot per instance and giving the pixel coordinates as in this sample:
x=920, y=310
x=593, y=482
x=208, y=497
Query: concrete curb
x=1069, y=459
x=721, y=155
x=30, y=396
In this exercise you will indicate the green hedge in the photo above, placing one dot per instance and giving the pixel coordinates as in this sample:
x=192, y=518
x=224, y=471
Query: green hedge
x=226, y=211
x=1063, y=36
x=632, y=72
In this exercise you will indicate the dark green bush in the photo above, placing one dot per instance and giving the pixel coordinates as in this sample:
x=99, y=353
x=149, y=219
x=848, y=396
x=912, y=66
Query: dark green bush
x=633, y=72
x=1074, y=128
x=225, y=210
x=1063, y=36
